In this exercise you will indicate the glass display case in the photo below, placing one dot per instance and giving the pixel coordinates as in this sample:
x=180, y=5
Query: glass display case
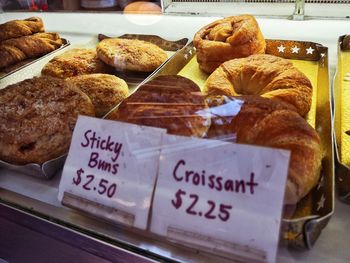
x=134, y=207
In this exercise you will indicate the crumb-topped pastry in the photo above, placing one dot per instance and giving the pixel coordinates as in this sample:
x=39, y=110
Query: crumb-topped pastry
x=37, y=118
x=228, y=38
x=104, y=90
x=131, y=54
x=74, y=62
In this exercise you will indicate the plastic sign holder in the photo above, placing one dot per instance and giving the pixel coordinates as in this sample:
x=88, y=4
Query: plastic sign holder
x=111, y=170
x=220, y=197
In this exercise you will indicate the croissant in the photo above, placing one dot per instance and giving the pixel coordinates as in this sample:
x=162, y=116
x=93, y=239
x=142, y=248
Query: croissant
x=174, y=103
x=228, y=38
x=18, y=28
x=264, y=122
x=15, y=50
x=265, y=75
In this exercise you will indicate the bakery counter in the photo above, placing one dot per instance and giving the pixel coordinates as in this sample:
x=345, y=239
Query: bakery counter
x=80, y=27
x=38, y=197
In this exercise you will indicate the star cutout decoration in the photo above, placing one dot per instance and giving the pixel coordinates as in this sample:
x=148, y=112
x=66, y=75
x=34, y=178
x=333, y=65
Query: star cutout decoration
x=320, y=204
x=320, y=183
x=323, y=54
x=186, y=56
x=281, y=48
x=347, y=77
x=190, y=52
x=295, y=49
x=310, y=50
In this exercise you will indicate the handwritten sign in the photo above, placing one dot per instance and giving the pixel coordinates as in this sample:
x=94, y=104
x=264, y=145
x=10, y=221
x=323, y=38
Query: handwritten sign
x=111, y=169
x=222, y=197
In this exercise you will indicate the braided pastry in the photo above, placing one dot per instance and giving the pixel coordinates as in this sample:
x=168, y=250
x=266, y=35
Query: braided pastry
x=15, y=50
x=265, y=122
x=265, y=75
x=228, y=38
x=19, y=28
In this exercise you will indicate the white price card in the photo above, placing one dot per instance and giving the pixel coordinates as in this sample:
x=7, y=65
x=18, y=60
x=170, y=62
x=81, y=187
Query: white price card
x=222, y=197
x=111, y=170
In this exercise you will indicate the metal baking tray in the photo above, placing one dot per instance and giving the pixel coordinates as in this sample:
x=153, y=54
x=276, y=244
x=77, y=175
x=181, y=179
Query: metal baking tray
x=304, y=225
x=48, y=169
x=341, y=86
x=28, y=62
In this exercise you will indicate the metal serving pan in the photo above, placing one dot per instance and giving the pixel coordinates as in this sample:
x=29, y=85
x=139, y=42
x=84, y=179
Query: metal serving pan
x=341, y=85
x=301, y=228
x=48, y=169
x=26, y=63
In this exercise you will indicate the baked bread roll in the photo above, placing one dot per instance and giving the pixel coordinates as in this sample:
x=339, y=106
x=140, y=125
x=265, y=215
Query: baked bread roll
x=74, y=62
x=130, y=54
x=264, y=75
x=228, y=38
x=37, y=118
x=105, y=91
x=174, y=103
x=15, y=50
x=19, y=28
x=259, y=121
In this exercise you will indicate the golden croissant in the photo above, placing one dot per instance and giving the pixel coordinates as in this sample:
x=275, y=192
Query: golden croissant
x=260, y=121
x=264, y=75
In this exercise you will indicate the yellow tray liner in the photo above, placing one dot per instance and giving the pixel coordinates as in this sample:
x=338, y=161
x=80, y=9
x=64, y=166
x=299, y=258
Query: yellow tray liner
x=345, y=109
x=309, y=68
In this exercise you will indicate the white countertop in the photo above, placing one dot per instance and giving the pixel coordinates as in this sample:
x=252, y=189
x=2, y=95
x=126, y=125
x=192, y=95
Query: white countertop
x=80, y=27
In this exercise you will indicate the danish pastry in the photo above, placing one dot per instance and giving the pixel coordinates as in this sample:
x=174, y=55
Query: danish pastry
x=228, y=38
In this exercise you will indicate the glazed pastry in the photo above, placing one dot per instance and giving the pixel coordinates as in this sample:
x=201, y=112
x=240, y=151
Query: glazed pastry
x=174, y=103
x=259, y=121
x=75, y=62
x=15, y=50
x=265, y=75
x=105, y=91
x=37, y=118
x=228, y=38
x=19, y=28
x=131, y=54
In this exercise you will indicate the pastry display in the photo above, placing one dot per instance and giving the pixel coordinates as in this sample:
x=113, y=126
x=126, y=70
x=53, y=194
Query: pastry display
x=265, y=75
x=15, y=50
x=228, y=38
x=37, y=118
x=74, y=62
x=170, y=102
x=105, y=91
x=131, y=54
x=269, y=123
x=19, y=28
